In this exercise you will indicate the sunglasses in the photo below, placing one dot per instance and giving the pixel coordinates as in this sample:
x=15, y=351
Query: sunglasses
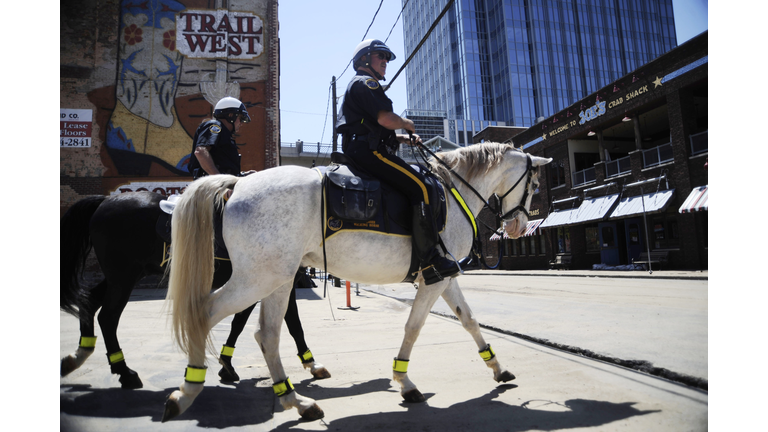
x=383, y=56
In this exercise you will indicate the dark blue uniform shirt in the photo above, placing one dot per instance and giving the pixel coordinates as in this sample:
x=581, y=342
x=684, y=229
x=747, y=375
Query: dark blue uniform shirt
x=221, y=146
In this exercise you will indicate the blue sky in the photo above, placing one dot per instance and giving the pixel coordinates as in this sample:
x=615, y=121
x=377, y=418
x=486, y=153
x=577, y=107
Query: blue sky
x=317, y=41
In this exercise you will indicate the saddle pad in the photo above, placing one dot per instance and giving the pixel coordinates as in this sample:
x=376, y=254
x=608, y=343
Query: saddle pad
x=392, y=211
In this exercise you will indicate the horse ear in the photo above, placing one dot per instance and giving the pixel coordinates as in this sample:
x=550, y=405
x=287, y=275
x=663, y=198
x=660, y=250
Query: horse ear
x=538, y=161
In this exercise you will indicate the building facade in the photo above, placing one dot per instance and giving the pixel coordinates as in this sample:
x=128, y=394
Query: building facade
x=137, y=78
x=514, y=61
x=629, y=172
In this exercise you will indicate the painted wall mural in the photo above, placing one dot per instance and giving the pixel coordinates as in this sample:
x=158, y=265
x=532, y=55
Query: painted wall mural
x=175, y=60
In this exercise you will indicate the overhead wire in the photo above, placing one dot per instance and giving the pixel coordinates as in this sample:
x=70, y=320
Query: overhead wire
x=423, y=39
x=347, y=67
x=398, y=19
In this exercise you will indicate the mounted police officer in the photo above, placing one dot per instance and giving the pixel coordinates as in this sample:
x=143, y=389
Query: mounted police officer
x=367, y=124
x=214, y=150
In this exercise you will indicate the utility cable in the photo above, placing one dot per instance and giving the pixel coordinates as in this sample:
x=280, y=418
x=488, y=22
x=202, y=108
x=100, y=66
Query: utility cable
x=398, y=19
x=424, y=39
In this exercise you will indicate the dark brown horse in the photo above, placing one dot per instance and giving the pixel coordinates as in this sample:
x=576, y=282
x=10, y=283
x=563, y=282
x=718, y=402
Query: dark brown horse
x=122, y=232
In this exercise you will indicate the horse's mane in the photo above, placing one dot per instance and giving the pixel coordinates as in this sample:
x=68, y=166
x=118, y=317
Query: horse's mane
x=477, y=158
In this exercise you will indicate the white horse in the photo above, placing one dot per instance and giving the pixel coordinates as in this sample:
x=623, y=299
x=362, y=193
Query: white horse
x=272, y=226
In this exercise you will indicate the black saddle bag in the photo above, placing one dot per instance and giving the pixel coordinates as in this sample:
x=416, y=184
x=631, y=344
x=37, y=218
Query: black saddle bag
x=352, y=198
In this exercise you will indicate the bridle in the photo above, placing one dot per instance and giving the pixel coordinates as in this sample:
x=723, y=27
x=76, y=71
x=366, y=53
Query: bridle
x=529, y=170
x=520, y=207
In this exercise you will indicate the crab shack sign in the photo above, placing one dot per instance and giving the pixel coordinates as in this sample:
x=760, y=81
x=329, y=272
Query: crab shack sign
x=219, y=33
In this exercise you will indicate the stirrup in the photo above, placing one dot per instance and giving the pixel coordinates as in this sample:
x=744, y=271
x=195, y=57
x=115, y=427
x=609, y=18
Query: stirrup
x=432, y=275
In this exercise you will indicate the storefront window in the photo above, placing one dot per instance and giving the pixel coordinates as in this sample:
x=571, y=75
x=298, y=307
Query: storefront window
x=563, y=240
x=543, y=244
x=533, y=245
x=593, y=240
x=666, y=233
x=556, y=174
x=522, y=245
x=608, y=240
x=634, y=234
x=513, y=243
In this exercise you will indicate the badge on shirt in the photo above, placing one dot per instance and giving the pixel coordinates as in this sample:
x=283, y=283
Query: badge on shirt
x=372, y=83
x=215, y=129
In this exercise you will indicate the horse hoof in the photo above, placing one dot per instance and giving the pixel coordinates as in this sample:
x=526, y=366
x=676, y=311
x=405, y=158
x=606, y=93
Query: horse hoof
x=313, y=413
x=228, y=376
x=414, y=396
x=505, y=376
x=131, y=381
x=171, y=411
x=68, y=365
x=321, y=373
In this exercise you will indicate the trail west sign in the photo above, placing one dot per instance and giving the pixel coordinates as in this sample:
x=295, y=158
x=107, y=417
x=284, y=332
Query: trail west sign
x=219, y=34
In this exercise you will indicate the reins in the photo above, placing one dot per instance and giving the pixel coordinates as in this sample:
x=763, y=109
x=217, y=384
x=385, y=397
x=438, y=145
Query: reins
x=521, y=207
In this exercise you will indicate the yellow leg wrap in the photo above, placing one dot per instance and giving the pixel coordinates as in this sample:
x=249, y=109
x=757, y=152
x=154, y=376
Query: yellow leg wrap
x=115, y=357
x=306, y=357
x=283, y=387
x=227, y=350
x=487, y=353
x=87, y=342
x=195, y=375
x=400, y=365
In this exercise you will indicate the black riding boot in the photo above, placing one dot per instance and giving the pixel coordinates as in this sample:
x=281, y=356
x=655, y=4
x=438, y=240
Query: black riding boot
x=434, y=266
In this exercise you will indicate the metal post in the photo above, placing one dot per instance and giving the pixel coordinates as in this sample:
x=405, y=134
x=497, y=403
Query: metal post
x=647, y=239
x=333, y=86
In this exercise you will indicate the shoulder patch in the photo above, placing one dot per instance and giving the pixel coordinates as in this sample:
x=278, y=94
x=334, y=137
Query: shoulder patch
x=215, y=129
x=372, y=83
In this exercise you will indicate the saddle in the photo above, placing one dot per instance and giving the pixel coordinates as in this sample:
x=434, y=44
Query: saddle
x=356, y=200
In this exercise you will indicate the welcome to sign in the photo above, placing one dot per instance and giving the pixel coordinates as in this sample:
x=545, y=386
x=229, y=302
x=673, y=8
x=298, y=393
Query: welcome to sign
x=219, y=33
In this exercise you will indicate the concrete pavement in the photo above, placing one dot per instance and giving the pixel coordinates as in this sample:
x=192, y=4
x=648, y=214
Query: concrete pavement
x=656, y=323
x=554, y=389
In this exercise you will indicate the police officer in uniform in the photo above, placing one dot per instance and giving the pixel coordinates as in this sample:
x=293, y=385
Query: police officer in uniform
x=367, y=124
x=214, y=150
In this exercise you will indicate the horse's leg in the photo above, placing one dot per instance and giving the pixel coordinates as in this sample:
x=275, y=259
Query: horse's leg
x=426, y=296
x=87, y=335
x=297, y=333
x=455, y=299
x=227, y=372
x=115, y=300
x=272, y=312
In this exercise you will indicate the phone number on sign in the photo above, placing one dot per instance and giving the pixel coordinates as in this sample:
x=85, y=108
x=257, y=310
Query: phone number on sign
x=75, y=142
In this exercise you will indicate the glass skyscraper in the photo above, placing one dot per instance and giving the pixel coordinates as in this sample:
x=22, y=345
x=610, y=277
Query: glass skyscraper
x=513, y=61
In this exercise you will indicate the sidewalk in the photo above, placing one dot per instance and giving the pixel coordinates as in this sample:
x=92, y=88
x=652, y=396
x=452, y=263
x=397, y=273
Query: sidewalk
x=553, y=390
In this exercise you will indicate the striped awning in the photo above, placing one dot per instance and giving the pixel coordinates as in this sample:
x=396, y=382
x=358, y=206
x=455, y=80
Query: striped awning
x=696, y=201
x=530, y=230
x=590, y=210
x=654, y=202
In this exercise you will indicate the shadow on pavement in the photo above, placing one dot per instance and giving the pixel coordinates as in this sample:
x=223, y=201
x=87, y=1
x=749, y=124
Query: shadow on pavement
x=485, y=414
x=246, y=404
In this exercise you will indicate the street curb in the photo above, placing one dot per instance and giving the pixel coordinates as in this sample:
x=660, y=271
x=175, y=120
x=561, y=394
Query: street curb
x=616, y=276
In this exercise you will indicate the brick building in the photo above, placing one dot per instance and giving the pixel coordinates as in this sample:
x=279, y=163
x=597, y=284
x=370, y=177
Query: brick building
x=137, y=78
x=644, y=135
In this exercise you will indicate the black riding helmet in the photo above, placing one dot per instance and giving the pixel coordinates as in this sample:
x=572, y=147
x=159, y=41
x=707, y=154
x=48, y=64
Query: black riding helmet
x=365, y=49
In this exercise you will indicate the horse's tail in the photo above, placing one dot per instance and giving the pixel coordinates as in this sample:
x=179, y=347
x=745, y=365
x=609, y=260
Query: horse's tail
x=192, y=260
x=74, y=247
